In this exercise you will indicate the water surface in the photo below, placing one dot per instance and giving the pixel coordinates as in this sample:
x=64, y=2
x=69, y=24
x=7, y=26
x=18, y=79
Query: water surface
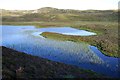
x=27, y=39
x=66, y=31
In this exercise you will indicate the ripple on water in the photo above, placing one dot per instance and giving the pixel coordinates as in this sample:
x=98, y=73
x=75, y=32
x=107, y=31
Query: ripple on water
x=25, y=39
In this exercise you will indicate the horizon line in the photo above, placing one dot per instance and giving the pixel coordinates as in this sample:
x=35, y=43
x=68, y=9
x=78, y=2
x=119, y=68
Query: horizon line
x=55, y=8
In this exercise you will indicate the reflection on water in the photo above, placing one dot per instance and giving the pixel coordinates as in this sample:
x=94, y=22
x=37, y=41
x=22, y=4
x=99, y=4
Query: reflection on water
x=25, y=39
x=66, y=31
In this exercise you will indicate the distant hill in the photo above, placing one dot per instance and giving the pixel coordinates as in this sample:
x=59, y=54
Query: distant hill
x=54, y=14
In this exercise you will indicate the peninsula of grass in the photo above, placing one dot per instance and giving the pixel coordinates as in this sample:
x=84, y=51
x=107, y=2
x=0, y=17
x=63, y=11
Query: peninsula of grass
x=105, y=40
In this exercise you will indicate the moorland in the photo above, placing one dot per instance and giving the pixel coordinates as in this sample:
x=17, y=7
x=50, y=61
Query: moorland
x=102, y=22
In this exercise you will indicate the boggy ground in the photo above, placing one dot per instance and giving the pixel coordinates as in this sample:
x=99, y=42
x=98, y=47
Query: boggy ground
x=20, y=65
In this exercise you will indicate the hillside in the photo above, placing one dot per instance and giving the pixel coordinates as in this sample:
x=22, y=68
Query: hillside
x=54, y=14
x=20, y=65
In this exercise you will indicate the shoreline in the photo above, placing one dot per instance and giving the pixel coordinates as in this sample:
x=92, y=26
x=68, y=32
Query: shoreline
x=106, y=39
x=15, y=65
x=84, y=39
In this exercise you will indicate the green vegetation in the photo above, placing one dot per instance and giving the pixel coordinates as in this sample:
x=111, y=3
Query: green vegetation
x=104, y=23
x=106, y=39
x=59, y=15
x=17, y=65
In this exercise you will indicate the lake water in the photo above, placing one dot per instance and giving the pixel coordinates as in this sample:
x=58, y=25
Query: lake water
x=27, y=39
x=67, y=31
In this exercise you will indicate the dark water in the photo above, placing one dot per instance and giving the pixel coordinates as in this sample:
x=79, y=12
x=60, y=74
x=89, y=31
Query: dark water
x=26, y=39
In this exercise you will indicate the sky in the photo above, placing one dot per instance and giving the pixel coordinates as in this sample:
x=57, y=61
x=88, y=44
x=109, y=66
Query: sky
x=60, y=4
